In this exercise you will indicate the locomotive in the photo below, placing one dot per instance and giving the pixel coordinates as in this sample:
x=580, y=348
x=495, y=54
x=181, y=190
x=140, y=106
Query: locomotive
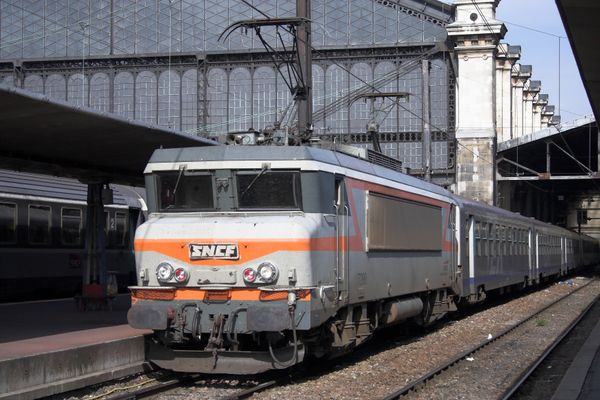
x=255, y=258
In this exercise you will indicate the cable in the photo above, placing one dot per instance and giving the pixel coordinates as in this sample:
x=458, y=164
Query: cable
x=294, y=359
x=255, y=9
x=533, y=29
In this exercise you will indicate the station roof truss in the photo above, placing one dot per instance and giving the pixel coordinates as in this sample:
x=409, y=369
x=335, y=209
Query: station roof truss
x=560, y=152
x=53, y=137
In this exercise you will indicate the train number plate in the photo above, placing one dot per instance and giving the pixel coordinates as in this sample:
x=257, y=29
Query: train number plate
x=213, y=251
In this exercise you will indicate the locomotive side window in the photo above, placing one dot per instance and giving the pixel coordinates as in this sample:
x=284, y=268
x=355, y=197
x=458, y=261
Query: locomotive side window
x=72, y=222
x=8, y=223
x=269, y=190
x=39, y=224
x=180, y=191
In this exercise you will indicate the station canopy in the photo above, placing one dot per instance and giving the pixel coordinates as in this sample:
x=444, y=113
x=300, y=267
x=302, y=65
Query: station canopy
x=42, y=135
x=580, y=18
x=559, y=153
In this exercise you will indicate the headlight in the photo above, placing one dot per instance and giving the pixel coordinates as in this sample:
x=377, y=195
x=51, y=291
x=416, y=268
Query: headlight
x=249, y=275
x=268, y=272
x=164, y=272
x=181, y=275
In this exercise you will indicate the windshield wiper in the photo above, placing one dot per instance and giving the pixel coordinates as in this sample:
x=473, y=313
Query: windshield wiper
x=181, y=170
x=265, y=167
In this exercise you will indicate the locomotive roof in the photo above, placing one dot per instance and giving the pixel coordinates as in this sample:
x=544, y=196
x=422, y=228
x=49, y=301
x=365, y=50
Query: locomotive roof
x=344, y=160
x=50, y=187
x=289, y=153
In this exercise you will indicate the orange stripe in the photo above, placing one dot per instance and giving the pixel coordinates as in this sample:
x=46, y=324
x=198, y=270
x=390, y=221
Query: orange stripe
x=249, y=249
x=252, y=249
x=236, y=294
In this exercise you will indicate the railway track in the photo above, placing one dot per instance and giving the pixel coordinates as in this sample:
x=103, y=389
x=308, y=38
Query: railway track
x=225, y=387
x=430, y=376
x=177, y=381
x=152, y=388
x=518, y=383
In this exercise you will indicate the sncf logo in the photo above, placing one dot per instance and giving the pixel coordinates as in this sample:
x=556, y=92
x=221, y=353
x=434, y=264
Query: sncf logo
x=214, y=251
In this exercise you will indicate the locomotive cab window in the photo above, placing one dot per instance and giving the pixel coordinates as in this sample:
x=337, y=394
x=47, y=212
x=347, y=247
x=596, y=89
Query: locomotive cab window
x=269, y=190
x=8, y=223
x=184, y=191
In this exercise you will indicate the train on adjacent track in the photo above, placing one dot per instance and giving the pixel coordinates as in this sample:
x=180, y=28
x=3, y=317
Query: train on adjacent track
x=256, y=258
x=43, y=235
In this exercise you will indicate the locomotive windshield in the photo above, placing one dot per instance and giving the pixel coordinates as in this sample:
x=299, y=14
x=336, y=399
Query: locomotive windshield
x=267, y=189
x=178, y=191
x=227, y=190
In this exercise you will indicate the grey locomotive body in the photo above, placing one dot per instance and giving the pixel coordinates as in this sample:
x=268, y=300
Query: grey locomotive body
x=255, y=257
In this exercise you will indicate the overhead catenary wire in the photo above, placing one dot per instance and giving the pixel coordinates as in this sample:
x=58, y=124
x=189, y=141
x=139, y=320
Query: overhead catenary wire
x=371, y=85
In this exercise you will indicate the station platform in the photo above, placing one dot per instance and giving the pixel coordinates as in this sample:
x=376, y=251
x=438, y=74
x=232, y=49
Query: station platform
x=50, y=347
x=582, y=379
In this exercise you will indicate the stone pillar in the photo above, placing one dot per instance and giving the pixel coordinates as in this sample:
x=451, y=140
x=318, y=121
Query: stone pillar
x=476, y=34
x=547, y=116
x=520, y=75
x=538, y=108
x=517, y=101
x=530, y=92
x=505, y=59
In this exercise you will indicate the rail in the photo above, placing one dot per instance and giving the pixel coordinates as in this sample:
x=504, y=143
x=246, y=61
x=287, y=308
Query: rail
x=535, y=364
x=413, y=385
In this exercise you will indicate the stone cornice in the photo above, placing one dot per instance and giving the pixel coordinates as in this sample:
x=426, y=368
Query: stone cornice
x=470, y=2
x=475, y=133
x=495, y=28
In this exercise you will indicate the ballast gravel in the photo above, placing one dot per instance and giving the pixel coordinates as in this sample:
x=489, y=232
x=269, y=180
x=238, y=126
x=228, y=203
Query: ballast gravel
x=388, y=363
x=491, y=371
x=381, y=373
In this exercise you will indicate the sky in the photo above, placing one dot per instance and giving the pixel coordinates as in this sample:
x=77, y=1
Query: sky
x=541, y=51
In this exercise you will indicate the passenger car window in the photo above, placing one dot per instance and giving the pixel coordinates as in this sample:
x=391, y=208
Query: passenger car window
x=8, y=223
x=71, y=221
x=39, y=224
